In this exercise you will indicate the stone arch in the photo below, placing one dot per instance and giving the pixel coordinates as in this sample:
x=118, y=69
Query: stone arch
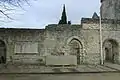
x=77, y=38
x=75, y=48
x=2, y=52
x=111, y=50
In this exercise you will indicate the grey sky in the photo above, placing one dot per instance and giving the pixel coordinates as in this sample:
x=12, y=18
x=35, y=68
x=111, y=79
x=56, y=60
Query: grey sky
x=44, y=12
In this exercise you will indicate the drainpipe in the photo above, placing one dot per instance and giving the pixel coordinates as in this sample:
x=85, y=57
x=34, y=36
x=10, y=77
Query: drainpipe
x=101, y=51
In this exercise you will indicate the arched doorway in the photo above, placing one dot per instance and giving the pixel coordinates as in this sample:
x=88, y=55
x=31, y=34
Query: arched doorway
x=2, y=52
x=76, y=49
x=111, y=52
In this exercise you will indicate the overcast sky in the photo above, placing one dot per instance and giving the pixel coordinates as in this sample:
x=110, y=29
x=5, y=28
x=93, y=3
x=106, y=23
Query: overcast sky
x=44, y=12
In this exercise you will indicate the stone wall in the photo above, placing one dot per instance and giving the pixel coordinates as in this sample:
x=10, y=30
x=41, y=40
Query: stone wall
x=110, y=30
x=60, y=36
x=55, y=40
x=110, y=9
x=12, y=36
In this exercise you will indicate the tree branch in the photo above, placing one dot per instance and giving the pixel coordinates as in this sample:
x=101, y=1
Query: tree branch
x=7, y=5
x=5, y=15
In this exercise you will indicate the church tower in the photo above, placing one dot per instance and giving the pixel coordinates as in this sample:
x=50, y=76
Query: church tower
x=110, y=9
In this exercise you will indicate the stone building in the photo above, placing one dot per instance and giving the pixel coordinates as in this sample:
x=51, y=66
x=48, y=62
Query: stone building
x=80, y=40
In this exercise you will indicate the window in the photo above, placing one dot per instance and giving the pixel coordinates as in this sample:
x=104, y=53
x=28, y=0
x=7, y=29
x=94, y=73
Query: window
x=26, y=47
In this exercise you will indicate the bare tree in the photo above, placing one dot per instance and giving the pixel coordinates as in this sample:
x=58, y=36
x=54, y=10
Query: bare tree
x=7, y=6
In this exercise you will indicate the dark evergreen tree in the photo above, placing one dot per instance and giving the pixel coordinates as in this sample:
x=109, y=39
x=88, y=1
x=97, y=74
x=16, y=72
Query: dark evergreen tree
x=69, y=22
x=63, y=17
x=60, y=22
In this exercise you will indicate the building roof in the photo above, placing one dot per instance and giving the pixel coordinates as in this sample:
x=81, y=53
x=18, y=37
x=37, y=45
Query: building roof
x=95, y=16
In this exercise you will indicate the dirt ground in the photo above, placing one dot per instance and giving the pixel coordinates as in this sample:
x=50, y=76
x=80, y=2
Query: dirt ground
x=80, y=76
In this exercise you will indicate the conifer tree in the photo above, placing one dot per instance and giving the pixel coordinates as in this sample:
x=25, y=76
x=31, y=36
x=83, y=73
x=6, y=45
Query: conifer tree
x=63, y=17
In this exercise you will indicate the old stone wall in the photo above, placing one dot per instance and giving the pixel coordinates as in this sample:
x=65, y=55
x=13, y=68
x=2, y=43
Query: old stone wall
x=32, y=45
x=110, y=9
x=110, y=32
x=14, y=38
x=59, y=36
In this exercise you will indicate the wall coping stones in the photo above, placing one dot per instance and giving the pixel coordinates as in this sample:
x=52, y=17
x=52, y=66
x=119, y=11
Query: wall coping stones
x=54, y=26
x=91, y=20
